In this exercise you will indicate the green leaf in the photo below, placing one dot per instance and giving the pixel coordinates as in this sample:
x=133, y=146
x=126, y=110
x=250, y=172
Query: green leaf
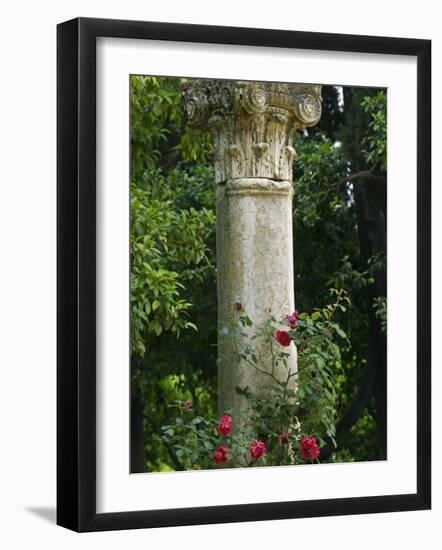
x=340, y=332
x=156, y=327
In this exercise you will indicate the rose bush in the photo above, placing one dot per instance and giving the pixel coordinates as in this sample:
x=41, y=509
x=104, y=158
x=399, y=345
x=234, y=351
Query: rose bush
x=292, y=418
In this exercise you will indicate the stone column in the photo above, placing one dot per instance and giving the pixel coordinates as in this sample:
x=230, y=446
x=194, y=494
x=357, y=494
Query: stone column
x=253, y=125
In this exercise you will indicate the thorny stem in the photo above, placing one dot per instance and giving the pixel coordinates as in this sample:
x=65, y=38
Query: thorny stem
x=273, y=356
x=260, y=370
x=335, y=306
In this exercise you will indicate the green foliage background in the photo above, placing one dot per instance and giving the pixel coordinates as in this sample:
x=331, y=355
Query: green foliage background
x=339, y=240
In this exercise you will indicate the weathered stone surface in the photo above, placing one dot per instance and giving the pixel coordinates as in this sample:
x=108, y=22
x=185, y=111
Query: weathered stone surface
x=255, y=268
x=253, y=125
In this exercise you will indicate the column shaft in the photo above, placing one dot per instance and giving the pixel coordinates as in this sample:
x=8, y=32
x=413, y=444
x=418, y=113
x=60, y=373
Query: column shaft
x=253, y=125
x=255, y=268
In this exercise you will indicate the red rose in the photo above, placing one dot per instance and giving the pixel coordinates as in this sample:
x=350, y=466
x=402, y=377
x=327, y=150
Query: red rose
x=283, y=437
x=257, y=449
x=188, y=404
x=225, y=425
x=283, y=338
x=292, y=319
x=220, y=455
x=309, y=448
x=238, y=306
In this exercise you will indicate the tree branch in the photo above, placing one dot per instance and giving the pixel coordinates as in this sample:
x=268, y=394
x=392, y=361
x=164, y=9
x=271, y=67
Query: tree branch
x=358, y=175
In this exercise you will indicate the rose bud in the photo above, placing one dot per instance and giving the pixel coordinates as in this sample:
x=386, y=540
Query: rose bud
x=292, y=319
x=283, y=438
x=238, y=306
x=188, y=404
x=225, y=425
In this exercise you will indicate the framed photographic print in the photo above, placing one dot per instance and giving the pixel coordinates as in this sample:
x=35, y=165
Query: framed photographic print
x=243, y=274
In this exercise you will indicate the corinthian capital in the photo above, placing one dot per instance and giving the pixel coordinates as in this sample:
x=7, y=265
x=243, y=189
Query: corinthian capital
x=252, y=124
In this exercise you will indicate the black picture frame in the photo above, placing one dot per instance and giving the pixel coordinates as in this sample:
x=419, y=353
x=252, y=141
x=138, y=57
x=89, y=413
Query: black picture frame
x=76, y=274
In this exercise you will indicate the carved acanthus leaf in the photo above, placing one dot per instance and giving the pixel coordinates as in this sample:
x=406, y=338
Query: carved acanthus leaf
x=252, y=123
